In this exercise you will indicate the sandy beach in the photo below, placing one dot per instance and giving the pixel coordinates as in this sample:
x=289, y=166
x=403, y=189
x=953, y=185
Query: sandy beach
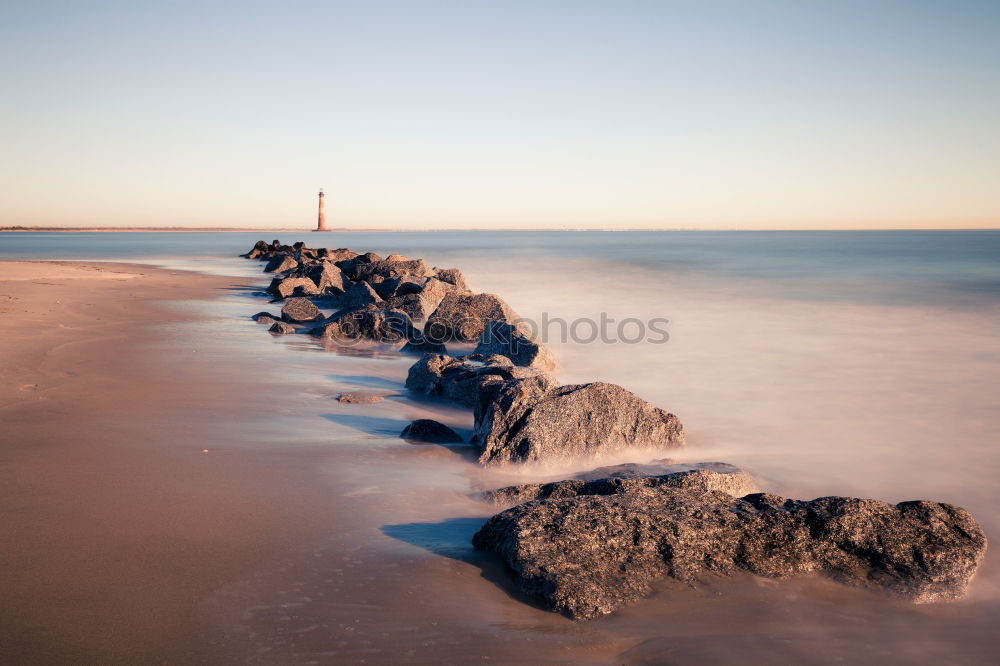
x=115, y=523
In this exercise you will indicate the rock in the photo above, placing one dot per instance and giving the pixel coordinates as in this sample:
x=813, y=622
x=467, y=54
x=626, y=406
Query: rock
x=391, y=269
x=359, y=295
x=328, y=278
x=429, y=430
x=340, y=254
x=574, y=421
x=280, y=263
x=413, y=284
x=588, y=555
x=352, y=267
x=464, y=318
x=292, y=286
x=281, y=328
x=513, y=342
x=454, y=277
x=384, y=287
x=416, y=306
x=421, y=304
x=622, y=478
x=376, y=325
x=259, y=249
x=359, y=398
x=461, y=379
x=397, y=258
x=300, y=310
x=265, y=317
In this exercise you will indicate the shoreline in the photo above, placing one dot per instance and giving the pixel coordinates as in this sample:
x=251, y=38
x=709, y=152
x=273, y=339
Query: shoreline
x=115, y=522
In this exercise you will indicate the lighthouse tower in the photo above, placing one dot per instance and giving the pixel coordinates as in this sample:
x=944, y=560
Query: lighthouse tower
x=321, y=221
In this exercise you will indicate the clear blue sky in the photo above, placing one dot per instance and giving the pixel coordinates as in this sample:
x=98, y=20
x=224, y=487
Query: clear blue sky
x=516, y=114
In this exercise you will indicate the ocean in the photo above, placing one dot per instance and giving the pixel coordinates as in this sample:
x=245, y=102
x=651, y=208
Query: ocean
x=825, y=363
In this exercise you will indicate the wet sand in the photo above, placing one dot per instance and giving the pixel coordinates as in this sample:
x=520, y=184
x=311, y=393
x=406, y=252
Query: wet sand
x=113, y=522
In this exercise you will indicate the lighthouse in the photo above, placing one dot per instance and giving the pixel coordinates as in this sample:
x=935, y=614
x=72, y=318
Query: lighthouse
x=321, y=221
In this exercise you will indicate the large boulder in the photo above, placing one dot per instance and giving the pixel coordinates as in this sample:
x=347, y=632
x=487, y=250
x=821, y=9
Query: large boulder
x=328, y=278
x=461, y=379
x=464, y=317
x=391, y=269
x=454, y=277
x=514, y=342
x=419, y=305
x=279, y=263
x=358, y=295
x=588, y=555
x=569, y=422
x=292, y=286
x=300, y=310
x=623, y=478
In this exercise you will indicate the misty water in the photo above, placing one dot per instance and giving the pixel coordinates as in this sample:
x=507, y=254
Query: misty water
x=825, y=363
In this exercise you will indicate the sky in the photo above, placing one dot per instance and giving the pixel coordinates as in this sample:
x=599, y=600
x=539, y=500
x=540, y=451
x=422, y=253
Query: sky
x=502, y=114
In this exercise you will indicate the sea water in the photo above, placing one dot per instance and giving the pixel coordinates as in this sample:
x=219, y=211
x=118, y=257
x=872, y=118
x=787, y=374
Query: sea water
x=825, y=363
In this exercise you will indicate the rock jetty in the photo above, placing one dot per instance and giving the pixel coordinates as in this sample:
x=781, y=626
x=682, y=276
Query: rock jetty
x=588, y=545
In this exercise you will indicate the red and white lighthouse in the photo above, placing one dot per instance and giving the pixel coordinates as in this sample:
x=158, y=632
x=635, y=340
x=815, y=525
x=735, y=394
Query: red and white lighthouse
x=321, y=221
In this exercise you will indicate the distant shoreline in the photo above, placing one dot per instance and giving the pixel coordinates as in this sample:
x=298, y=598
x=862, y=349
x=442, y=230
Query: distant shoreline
x=341, y=230
x=154, y=229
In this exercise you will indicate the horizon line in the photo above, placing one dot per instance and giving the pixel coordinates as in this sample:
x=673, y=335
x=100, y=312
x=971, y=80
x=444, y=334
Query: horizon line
x=181, y=229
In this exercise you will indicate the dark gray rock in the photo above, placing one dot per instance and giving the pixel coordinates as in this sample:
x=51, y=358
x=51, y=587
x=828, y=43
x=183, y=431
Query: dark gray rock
x=463, y=318
x=622, y=478
x=265, y=317
x=392, y=269
x=422, y=303
x=588, y=555
x=515, y=343
x=359, y=295
x=418, y=306
x=384, y=287
x=328, y=278
x=292, y=286
x=340, y=254
x=280, y=263
x=259, y=249
x=281, y=328
x=300, y=310
x=429, y=430
x=574, y=421
x=454, y=277
x=461, y=379
x=412, y=284
x=375, y=325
